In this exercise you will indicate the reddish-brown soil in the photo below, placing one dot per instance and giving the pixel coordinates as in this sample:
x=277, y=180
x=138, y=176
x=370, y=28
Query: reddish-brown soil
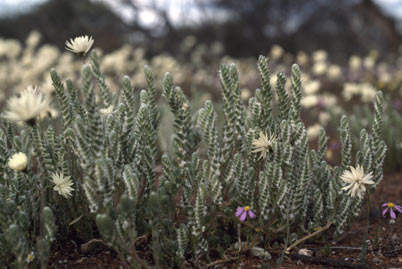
x=385, y=248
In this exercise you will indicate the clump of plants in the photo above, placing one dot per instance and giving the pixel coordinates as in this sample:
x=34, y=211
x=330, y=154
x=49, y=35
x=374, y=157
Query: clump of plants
x=392, y=126
x=246, y=177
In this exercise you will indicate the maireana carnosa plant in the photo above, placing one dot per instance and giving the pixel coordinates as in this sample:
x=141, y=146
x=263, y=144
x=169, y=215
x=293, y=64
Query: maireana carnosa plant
x=95, y=170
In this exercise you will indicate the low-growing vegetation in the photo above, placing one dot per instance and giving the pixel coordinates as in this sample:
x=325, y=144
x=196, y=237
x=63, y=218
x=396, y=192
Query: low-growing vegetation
x=239, y=174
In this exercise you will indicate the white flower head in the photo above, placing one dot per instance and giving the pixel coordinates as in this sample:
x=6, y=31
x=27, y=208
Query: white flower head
x=263, y=144
x=62, y=184
x=334, y=71
x=312, y=87
x=355, y=62
x=319, y=68
x=302, y=58
x=313, y=131
x=357, y=179
x=320, y=56
x=245, y=94
x=276, y=52
x=80, y=45
x=309, y=101
x=30, y=257
x=26, y=106
x=18, y=161
x=107, y=110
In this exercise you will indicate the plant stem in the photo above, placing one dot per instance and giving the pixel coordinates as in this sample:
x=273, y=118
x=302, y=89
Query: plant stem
x=308, y=237
x=364, y=243
x=239, y=236
x=221, y=261
x=155, y=246
x=138, y=262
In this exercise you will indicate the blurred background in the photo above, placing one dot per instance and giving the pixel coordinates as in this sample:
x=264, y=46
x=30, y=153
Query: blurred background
x=347, y=50
x=243, y=28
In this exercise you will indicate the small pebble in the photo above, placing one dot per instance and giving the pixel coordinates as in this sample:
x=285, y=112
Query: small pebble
x=305, y=252
x=260, y=252
x=376, y=260
x=346, y=259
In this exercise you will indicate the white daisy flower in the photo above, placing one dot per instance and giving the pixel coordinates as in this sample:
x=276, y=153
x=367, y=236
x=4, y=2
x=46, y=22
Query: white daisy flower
x=357, y=179
x=18, y=161
x=263, y=144
x=26, y=106
x=80, y=45
x=62, y=184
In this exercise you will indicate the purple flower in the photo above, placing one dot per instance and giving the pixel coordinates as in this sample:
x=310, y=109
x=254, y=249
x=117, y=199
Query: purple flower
x=242, y=213
x=391, y=207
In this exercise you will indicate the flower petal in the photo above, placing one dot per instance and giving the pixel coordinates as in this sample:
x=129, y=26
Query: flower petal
x=239, y=211
x=356, y=189
x=243, y=216
x=384, y=212
x=384, y=204
x=359, y=193
x=347, y=177
x=393, y=216
x=399, y=208
x=347, y=187
x=251, y=214
x=367, y=182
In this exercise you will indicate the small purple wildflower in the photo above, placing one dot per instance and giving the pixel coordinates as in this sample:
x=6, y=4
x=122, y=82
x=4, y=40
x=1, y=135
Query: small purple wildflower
x=242, y=213
x=391, y=207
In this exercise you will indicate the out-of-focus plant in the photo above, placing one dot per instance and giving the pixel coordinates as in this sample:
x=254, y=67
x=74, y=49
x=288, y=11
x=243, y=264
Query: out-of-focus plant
x=27, y=225
x=392, y=120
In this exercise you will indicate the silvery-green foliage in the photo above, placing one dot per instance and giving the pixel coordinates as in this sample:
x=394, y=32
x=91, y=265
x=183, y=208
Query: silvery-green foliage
x=182, y=240
x=293, y=182
x=107, y=143
x=25, y=224
x=47, y=236
x=17, y=234
x=391, y=123
x=104, y=90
